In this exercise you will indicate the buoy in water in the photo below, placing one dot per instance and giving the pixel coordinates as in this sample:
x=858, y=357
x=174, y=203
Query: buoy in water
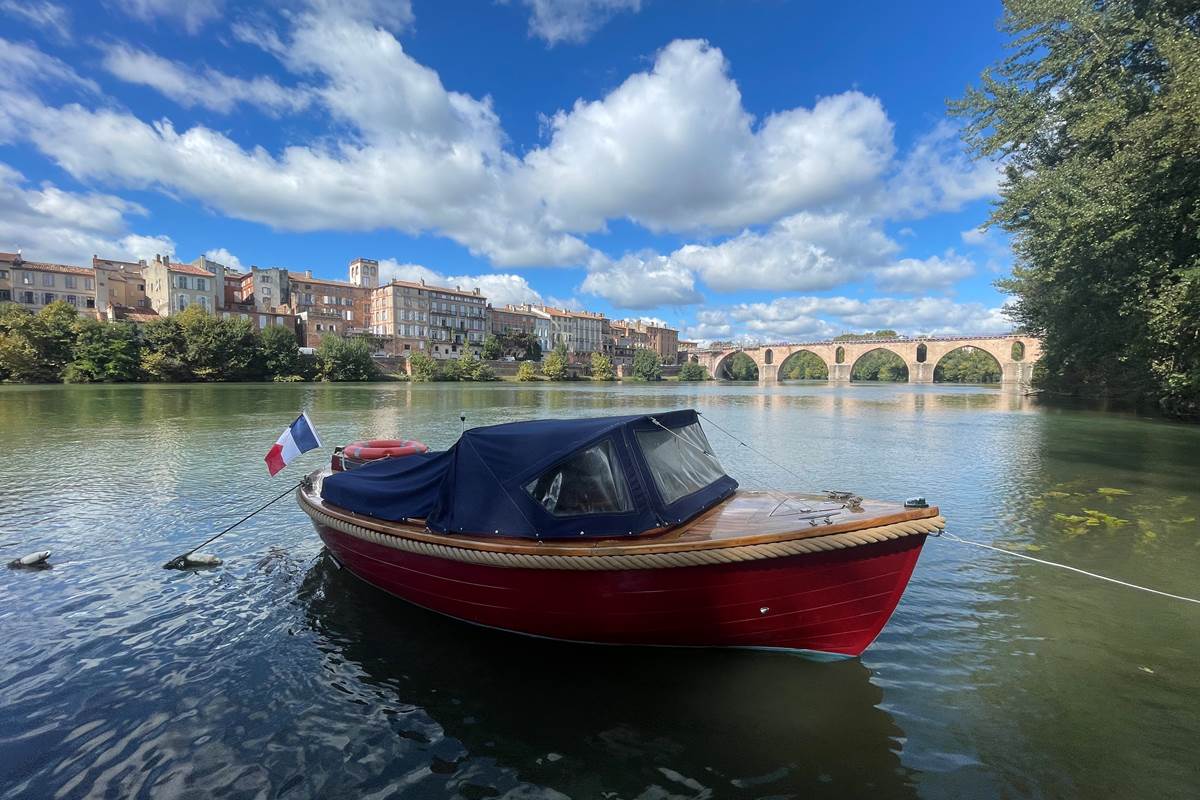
x=32, y=560
x=201, y=560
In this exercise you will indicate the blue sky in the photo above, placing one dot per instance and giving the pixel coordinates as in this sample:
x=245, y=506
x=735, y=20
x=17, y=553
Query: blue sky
x=767, y=170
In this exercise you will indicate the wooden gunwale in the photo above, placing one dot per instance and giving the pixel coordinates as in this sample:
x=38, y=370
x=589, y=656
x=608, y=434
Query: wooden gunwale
x=661, y=540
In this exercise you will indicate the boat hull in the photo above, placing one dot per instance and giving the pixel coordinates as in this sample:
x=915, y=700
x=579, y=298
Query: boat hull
x=833, y=602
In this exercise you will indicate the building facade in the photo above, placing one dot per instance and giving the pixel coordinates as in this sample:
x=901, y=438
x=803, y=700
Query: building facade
x=172, y=287
x=329, y=299
x=631, y=335
x=511, y=319
x=457, y=320
x=400, y=317
x=119, y=284
x=36, y=284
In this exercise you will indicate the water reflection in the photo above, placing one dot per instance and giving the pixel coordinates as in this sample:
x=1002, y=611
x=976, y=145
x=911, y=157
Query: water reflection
x=633, y=722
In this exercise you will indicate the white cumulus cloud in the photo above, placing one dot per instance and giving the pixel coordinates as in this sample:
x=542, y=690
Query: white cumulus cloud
x=573, y=20
x=209, y=89
x=50, y=224
x=915, y=275
x=639, y=281
x=499, y=288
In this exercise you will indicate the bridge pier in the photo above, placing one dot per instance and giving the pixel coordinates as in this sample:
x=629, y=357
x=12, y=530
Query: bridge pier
x=839, y=373
x=920, y=372
x=768, y=373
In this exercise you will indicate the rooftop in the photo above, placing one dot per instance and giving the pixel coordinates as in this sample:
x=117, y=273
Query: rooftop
x=66, y=269
x=188, y=269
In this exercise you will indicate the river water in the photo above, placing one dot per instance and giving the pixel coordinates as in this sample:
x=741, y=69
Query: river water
x=278, y=675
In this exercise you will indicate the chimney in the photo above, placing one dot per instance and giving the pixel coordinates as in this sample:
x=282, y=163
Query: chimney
x=308, y=273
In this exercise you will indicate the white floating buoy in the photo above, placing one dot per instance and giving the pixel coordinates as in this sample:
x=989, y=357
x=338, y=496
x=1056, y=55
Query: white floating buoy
x=202, y=560
x=31, y=560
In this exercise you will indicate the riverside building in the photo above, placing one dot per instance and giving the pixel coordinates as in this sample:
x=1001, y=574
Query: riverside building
x=36, y=284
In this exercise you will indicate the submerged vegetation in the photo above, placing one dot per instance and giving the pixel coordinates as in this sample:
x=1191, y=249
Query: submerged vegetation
x=1094, y=115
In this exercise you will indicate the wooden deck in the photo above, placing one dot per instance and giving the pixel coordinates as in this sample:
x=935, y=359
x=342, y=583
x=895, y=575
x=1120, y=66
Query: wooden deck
x=747, y=517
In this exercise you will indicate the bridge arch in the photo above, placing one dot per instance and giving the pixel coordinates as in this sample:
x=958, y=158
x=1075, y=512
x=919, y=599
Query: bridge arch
x=793, y=360
x=721, y=371
x=882, y=366
x=970, y=364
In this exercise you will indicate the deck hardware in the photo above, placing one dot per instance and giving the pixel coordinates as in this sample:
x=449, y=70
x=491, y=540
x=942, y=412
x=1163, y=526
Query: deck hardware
x=764, y=609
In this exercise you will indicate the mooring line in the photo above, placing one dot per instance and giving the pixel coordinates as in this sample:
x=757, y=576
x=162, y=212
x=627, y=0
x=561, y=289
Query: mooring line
x=1126, y=584
x=180, y=561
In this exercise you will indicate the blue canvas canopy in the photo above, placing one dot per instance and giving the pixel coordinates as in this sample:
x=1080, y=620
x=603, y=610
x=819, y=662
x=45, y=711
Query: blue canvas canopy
x=547, y=479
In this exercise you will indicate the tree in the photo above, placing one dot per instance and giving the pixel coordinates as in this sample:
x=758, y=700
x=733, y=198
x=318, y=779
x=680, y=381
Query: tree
x=691, y=371
x=343, y=359
x=554, y=366
x=879, y=365
x=602, y=368
x=493, y=348
x=885, y=333
x=527, y=372
x=103, y=352
x=741, y=367
x=423, y=367
x=162, y=351
x=967, y=365
x=647, y=366
x=806, y=366
x=1094, y=114
x=280, y=352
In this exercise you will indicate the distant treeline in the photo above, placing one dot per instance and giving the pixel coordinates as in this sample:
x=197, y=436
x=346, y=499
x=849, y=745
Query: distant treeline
x=58, y=345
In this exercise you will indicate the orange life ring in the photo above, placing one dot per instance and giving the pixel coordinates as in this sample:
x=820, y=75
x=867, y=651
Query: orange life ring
x=383, y=448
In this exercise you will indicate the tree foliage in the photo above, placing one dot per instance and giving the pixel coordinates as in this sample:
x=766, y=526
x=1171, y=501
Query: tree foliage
x=602, y=368
x=741, y=367
x=883, y=333
x=346, y=359
x=424, y=367
x=691, y=371
x=879, y=365
x=647, y=366
x=805, y=366
x=518, y=344
x=527, y=372
x=554, y=366
x=967, y=365
x=1095, y=113
x=58, y=343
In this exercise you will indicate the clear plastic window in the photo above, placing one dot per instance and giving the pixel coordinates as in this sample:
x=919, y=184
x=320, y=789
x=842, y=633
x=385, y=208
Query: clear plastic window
x=589, y=482
x=679, y=460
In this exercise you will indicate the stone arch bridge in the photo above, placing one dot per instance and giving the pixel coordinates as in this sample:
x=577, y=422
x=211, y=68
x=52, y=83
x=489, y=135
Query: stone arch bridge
x=1015, y=353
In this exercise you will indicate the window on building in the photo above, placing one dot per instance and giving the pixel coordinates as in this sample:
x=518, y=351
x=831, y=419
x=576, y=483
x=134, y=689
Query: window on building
x=69, y=281
x=3, y=274
x=5, y=295
x=90, y=302
x=47, y=279
x=72, y=299
x=27, y=278
x=201, y=284
x=183, y=302
x=27, y=298
x=48, y=298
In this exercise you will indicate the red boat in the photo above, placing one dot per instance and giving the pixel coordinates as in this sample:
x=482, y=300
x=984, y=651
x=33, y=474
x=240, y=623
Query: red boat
x=619, y=530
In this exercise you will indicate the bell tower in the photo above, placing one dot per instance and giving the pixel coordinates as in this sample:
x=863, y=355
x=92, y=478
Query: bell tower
x=364, y=272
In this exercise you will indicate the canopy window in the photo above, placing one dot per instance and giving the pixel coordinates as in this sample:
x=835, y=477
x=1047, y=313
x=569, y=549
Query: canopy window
x=589, y=482
x=680, y=459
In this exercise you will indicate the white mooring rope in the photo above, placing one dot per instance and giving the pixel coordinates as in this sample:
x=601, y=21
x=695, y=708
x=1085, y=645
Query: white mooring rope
x=954, y=538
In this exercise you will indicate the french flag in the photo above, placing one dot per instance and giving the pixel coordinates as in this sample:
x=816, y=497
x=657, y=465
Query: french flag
x=297, y=438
